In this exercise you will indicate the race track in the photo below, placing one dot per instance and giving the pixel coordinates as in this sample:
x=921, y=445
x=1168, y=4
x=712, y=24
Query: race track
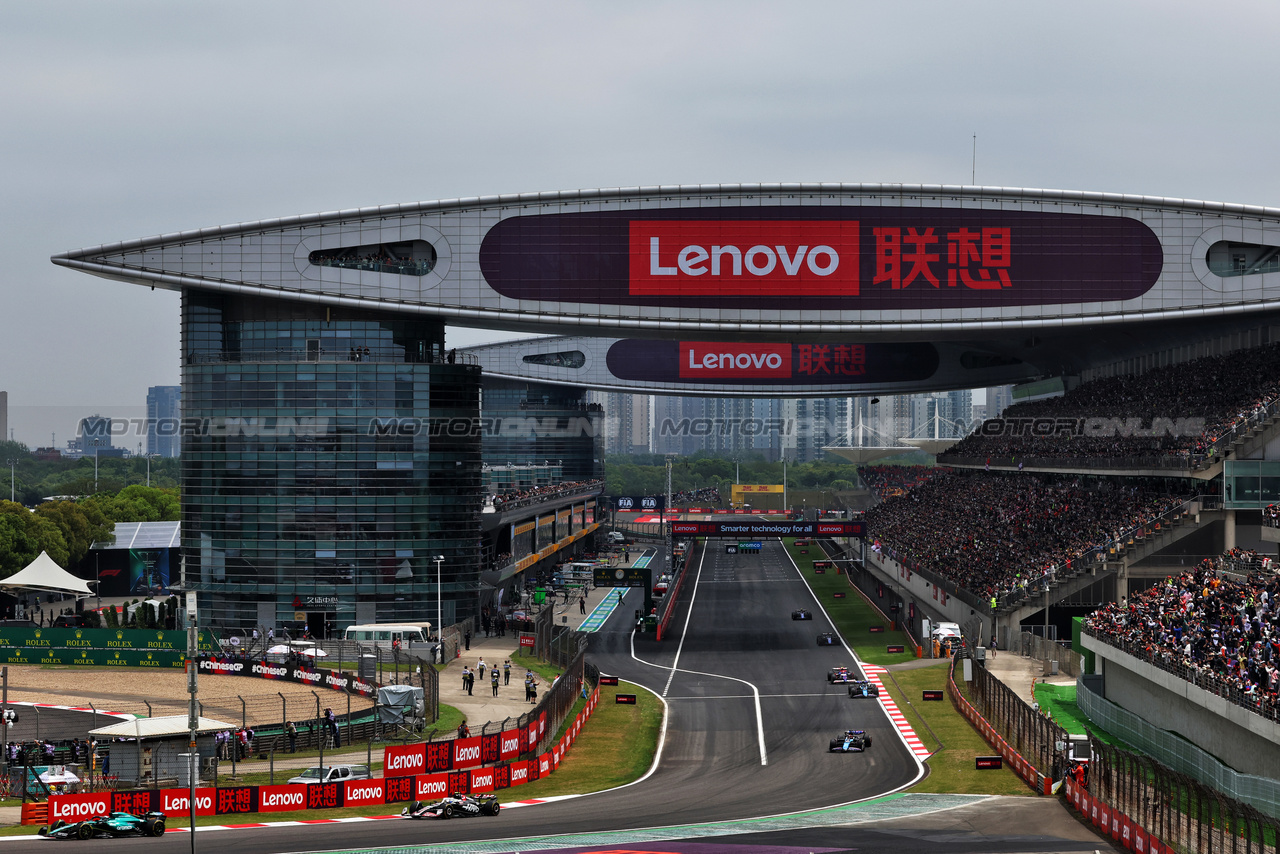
x=750, y=714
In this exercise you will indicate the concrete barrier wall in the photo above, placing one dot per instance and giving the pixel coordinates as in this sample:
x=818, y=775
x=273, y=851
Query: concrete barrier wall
x=1242, y=739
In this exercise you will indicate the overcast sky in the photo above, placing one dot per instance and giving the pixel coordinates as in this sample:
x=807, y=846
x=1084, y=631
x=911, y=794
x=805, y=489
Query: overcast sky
x=127, y=119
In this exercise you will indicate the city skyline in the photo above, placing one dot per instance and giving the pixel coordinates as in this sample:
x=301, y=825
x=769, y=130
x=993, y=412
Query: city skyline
x=216, y=139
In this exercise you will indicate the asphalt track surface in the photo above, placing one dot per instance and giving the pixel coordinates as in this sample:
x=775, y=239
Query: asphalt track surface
x=750, y=714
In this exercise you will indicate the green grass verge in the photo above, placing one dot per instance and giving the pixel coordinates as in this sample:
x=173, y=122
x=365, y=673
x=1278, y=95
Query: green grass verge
x=947, y=732
x=852, y=616
x=1060, y=702
x=615, y=747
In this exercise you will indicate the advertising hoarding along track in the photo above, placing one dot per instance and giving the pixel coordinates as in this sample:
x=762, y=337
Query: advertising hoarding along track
x=736, y=530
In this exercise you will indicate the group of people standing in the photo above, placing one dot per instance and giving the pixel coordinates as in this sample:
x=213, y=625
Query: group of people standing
x=469, y=676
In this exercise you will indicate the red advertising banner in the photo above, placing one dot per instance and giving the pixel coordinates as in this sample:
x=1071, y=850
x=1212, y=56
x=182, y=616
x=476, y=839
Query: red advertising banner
x=428, y=787
x=544, y=765
x=323, y=796
x=402, y=760
x=519, y=773
x=527, y=641
x=746, y=257
x=358, y=793
x=466, y=752
x=542, y=724
x=482, y=780
x=178, y=801
x=490, y=748
x=439, y=756
x=531, y=736
x=270, y=799
x=398, y=788
x=71, y=808
x=509, y=746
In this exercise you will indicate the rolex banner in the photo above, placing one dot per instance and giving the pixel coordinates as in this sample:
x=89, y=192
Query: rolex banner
x=32, y=640
x=159, y=659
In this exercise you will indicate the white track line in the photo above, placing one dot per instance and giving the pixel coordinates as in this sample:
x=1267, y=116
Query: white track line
x=764, y=756
x=903, y=729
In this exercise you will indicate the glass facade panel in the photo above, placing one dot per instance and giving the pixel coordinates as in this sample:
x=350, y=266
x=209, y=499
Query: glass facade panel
x=326, y=459
x=531, y=424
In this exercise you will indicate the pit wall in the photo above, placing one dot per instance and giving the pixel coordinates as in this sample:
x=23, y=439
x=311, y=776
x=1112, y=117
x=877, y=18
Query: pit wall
x=450, y=763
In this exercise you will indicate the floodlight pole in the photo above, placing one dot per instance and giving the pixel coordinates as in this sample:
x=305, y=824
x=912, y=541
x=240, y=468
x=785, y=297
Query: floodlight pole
x=193, y=711
x=439, y=559
x=12, y=464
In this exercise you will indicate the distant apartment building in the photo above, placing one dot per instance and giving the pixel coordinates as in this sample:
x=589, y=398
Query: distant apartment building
x=164, y=411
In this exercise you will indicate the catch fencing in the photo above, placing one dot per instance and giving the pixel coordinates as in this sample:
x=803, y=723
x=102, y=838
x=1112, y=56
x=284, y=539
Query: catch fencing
x=1171, y=811
x=1028, y=732
x=1178, y=755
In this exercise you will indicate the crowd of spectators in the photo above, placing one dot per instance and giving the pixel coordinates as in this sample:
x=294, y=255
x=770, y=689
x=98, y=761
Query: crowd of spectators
x=887, y=481
x=379, y=262
x=1220, y=632
x=1225, y=391
x=707, y=496
x=517, y=497
x=1001, y=535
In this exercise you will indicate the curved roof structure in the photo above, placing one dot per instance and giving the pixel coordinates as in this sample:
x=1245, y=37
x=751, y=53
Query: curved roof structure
x=1015, y=274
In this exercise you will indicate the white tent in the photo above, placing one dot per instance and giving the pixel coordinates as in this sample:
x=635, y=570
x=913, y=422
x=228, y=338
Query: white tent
x=159, y=727
x=43, y=574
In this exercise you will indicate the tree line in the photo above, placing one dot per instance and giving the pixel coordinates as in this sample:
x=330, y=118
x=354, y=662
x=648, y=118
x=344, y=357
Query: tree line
x=67, y=528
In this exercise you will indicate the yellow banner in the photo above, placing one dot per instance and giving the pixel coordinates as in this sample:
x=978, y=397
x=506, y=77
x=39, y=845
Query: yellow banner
x=739, y=489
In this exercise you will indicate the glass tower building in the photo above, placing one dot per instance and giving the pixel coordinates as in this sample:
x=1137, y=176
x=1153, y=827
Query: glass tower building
x=329, y=457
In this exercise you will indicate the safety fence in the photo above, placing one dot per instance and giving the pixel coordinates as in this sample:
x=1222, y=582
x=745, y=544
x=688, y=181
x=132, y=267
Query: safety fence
x=1176, y=752
x=551, y=748
x=1025, y=738
x=1029, y=645
x=1147, y=807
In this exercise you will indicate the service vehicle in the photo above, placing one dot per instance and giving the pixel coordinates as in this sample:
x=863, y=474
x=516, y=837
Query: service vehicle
x=863, y=688
x=853, y=741
x=457, y=805
x=113, y=826
x=389, y=635
x=802, y=614
x=839, y=673
x=660, y=586
x=316, y=774
x=827, y=639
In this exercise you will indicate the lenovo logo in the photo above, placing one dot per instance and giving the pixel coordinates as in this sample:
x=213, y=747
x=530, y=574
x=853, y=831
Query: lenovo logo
x=709, y=360
x=466, y=754
x=485, y=779
x=282, y=799
x=510, y=744
x=61, y=809
x=364, y=793
x=407, y=761
x=741, y=258
x=432, y=787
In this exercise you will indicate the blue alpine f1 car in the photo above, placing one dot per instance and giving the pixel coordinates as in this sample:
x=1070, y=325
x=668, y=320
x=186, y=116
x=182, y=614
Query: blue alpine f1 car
x=853, y=741
x=863, y=688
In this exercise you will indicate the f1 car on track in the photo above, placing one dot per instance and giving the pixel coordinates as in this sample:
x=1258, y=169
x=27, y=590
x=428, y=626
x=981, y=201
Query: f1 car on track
x=839, y=673
x=457, y=804
x=827, y=639
x=802, y=614
x=111, y=826
x=862, y=688
x=853, y=741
